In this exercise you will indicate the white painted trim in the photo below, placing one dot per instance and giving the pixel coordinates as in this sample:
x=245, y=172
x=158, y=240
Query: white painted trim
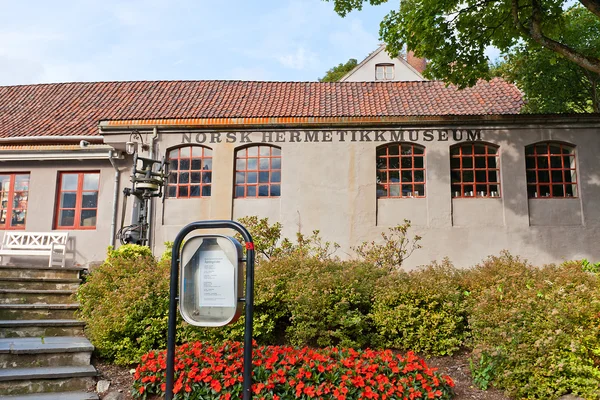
x=48, y=138
x=32, y=155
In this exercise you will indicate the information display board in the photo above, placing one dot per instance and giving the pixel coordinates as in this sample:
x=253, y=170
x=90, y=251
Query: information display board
x=211, y=280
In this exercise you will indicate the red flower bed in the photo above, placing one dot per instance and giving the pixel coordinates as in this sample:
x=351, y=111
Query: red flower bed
x=206, y=372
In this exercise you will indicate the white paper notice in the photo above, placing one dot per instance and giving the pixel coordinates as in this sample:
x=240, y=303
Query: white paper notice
x=216, y=280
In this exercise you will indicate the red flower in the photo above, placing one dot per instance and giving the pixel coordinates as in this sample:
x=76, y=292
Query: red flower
x=215, y=385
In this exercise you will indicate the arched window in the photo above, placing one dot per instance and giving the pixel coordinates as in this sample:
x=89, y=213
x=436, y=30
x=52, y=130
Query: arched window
x=190, y=170
x=551, y=170
x=475, y=170
x=401, y=170
x=258, y=172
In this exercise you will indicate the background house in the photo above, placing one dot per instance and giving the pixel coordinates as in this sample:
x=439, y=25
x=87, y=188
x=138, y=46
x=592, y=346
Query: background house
x=379, y=66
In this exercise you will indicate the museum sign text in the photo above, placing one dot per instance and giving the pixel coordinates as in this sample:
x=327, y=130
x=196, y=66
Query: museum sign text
x=425, y=135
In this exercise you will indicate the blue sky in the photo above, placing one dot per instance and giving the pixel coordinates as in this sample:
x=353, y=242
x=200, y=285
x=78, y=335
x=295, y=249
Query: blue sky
x=86, y=40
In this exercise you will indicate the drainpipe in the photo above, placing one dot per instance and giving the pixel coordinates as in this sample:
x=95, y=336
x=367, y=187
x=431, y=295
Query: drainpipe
x=115, y=210
x=151, y=202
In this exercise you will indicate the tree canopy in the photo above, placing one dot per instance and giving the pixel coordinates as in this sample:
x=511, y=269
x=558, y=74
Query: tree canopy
x=454, y=34
x=336, y=73
x=550, y=82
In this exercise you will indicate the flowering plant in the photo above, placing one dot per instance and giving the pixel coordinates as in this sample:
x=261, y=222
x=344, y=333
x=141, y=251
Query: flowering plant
x=204, y=371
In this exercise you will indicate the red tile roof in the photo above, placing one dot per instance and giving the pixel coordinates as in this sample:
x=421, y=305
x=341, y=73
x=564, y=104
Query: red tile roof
x=74, y=109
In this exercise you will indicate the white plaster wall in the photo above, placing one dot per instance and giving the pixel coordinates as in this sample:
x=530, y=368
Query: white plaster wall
x=330, y=186
x=366, y=73
x=85, y=246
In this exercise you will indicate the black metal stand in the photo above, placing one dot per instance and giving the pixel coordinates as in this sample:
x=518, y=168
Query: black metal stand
x=248, y=298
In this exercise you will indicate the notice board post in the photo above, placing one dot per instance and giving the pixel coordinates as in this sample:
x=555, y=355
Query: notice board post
x=210, y=285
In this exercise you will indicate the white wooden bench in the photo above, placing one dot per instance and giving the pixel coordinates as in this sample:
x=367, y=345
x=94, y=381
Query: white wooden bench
x=36, y=244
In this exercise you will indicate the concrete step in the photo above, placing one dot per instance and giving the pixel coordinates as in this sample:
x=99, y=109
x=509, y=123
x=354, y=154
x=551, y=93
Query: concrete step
x=39, y=283
x=23, y=271
x=20, y=381
x=26, y=296
x=52, y=352
x=56, y=396
x=41, y=328
x=37, y=311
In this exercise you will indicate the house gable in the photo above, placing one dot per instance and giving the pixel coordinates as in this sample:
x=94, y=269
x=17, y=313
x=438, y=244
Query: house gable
x=365, y=71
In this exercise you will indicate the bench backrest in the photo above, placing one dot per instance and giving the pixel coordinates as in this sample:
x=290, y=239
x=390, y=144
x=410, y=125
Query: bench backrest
x=34, y=240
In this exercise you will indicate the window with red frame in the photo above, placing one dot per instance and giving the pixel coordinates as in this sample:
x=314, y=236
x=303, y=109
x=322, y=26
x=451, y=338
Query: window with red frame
x=77, y=200
x=190, y=170
x=551, y=170
x=475, y=170
x=258, y=172
x=14, y=193
x=401, y=170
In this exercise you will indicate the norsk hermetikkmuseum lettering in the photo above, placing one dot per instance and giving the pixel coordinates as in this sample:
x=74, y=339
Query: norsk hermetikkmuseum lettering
x=427, y=135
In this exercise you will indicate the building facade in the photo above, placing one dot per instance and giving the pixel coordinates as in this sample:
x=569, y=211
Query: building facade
x=380, y=67
x=348, y=159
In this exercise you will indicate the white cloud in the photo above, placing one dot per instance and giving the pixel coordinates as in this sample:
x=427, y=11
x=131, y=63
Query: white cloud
x=300, y=59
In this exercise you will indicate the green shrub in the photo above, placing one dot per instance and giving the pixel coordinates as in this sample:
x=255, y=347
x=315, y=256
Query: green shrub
x=124, y=304
x=535, y=331
x=330, y=302
x=423, y=310
x=395, y=248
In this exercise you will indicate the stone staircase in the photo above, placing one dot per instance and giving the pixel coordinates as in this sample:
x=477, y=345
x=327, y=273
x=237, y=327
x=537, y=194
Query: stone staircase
x=43, y=353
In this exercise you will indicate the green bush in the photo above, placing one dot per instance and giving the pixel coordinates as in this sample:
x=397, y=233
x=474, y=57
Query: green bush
x=535, y=331
x=423, y=310
x=124, y=303
x=330, y=302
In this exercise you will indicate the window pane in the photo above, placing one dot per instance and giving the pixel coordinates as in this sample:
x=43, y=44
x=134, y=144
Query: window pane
x=407, y=176
x=207, y=177
x=183, y=191
x=389, y=72
x=90, y=200
x=173, y=165
x=531, y=177
x=252, y=151
x=207, y=163
x=543, y=176
x=240, y=177
x=172, y=191
x=66, y=218
x=195, y=177
x=263, y=177
x=467, y=162
x=555, y=162
x=492, y=162
x=196, y=151
x=263, y=190
x=184, y=164
x=406, y=162
x=419, y=176
x=276, y=163
x=206, y=190
x=529, y=162
x=493, y=176
x=455, y=163
x=406, y=149
x=88, y=218
x=418, y=162
x=69, y=181
x=239, y=191
x=468, y=149
x=557, y=176
x=480, y=176
x=174, y=153
x=276, y=176
x=378, y=72
x=196, y=164
x=395, y=190
x=90, y=181
x=275, y=151
x=68, y=199
x=184, y=177
x=558, y=191
x=21, y=182
x=240, y=164
x=172, y=177
x=251, y=191
x=18, y=218
x=264, y=163
x=480, y=149
x=252, y=177
x=407, y=190
x=264, y=150
x=194, y=191
x=480, y=162
x=419, y=190
x=252, y=163
x=275, y=190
